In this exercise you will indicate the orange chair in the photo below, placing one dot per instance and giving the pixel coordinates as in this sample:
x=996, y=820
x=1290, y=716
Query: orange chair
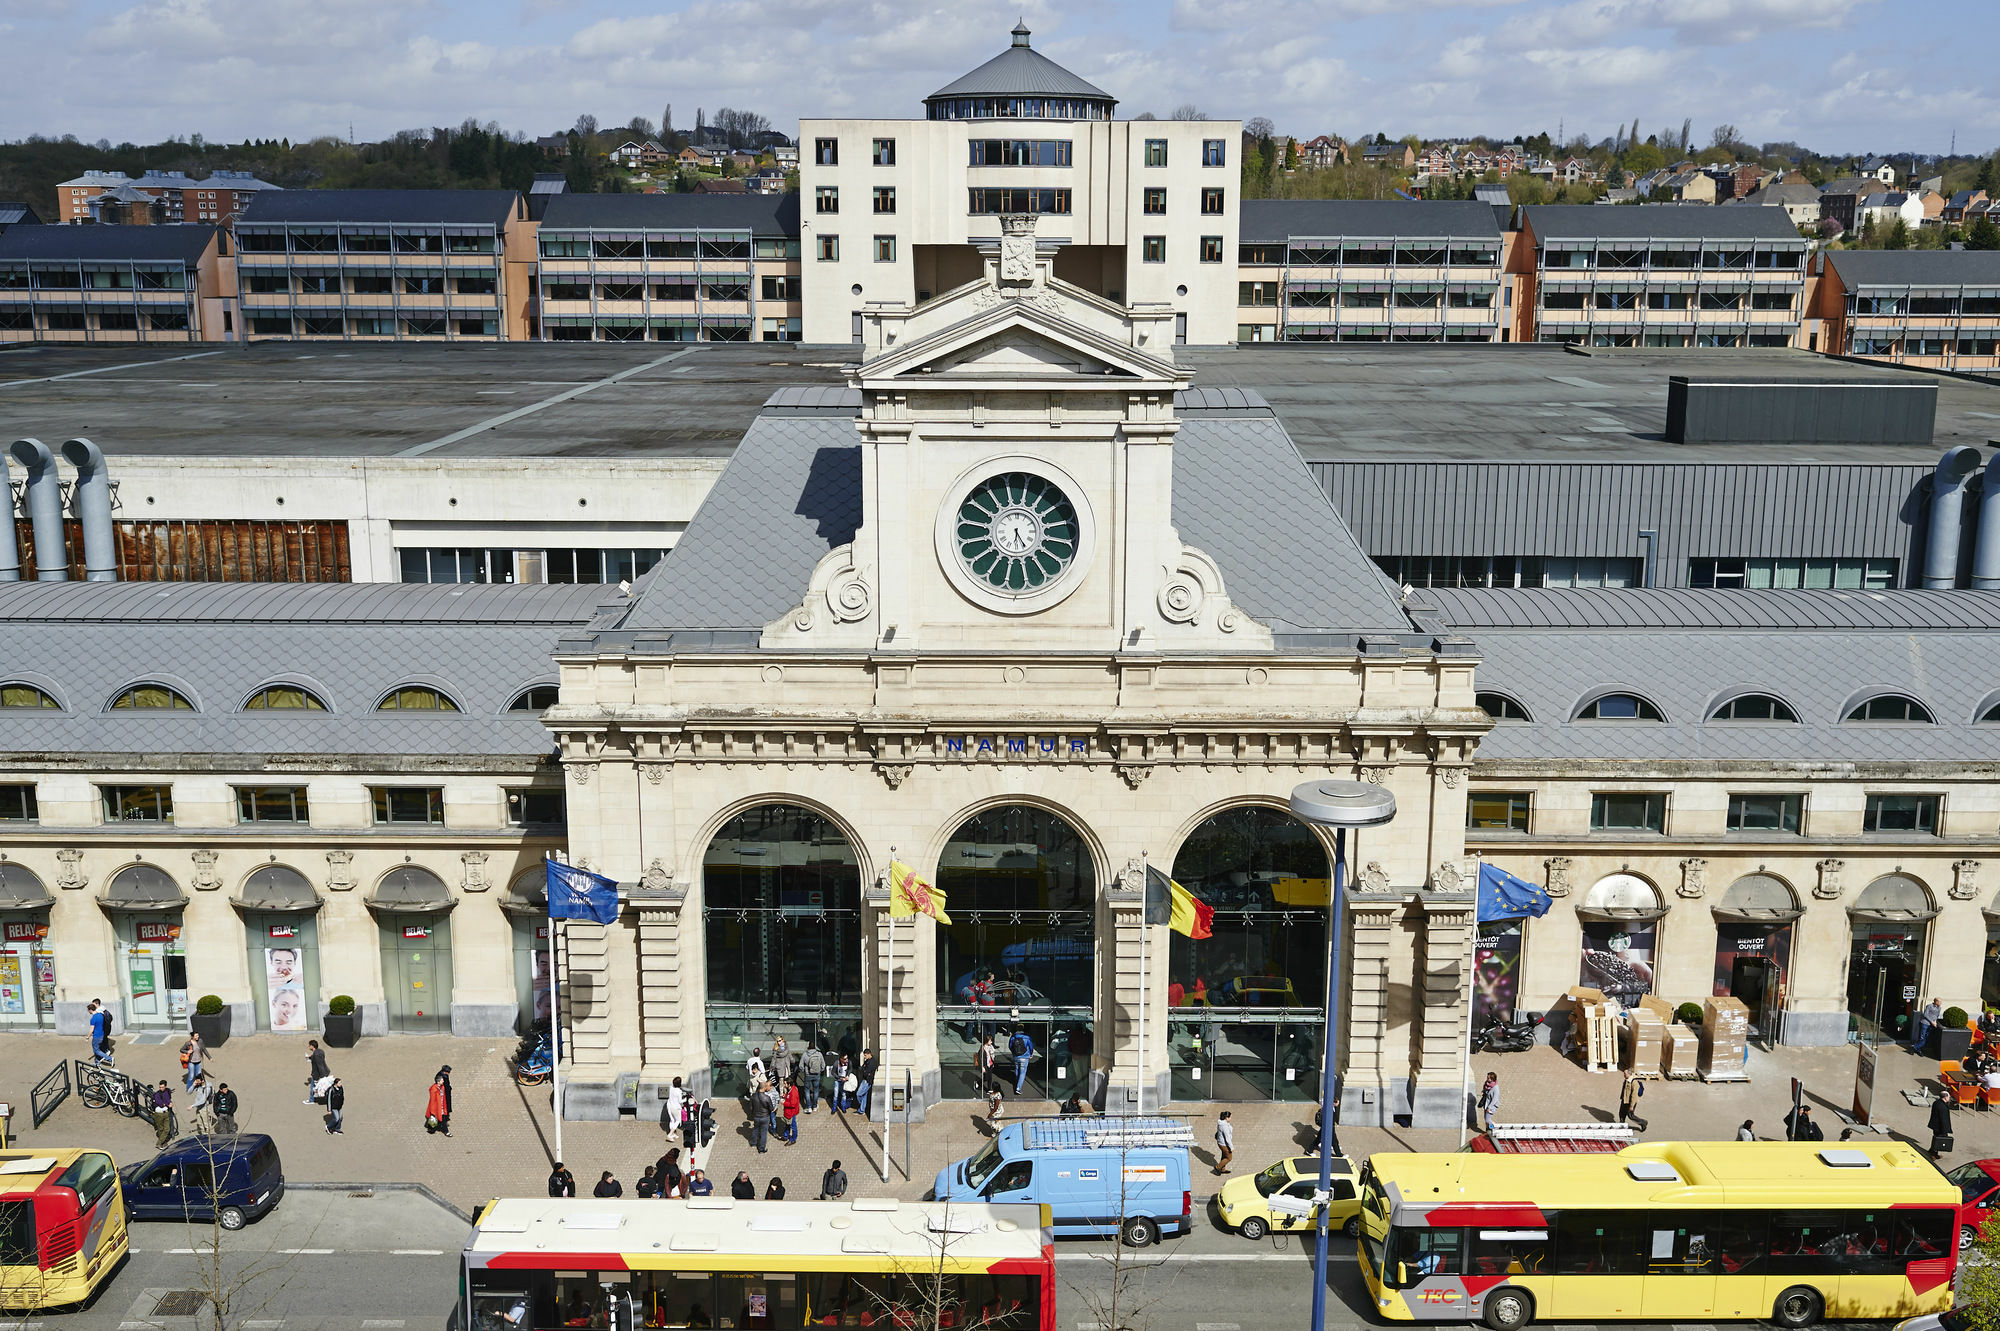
x=1989, y=1096
x=1964, y=1090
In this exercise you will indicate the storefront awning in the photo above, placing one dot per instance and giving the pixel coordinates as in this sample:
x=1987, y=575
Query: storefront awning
x=528, y=896
x=142, y=887
x=277, y=887
x=412, y=891
x=1621, y=897
x=1757, y=898
x=21, y=890
x=1893, y=899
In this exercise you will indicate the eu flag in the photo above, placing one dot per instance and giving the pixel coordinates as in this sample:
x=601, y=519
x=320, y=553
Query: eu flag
x=579, y=894
x=1502, y=896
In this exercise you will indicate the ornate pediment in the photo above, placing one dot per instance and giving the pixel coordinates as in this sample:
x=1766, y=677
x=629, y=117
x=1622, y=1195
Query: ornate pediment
x=1047, y=335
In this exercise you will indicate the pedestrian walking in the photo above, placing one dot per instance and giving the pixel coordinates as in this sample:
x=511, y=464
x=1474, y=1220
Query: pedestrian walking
x=100, y=1033
x=792, y=1103
x=201, y=1098
x=1225, y=1142
x=648, y=1184
x=336, y=1103
x=833, y=1183
x=1489, y=1102
x=781, y=1061
x=670, y=1117
x=607, y=1186
x=774, y=1191
x=864, y=1089
x=437, y=1108
x=1748, y=1132
x=224, y=1106
x=993, y=1105
x=1022, y=1047
x=1941, y=1140
x=163, y=1113
x=668, y=1172
x=1628, y=1098
x=562, y=1183
x=444, y=1076
x=1799, y=1126
x=1927, y=1019
x=812, y=1067
x=741, y=1188
x=982, y=1059
x=754, y=1065
x=192, y=1054
x=316, y=1071
x=698, y=1185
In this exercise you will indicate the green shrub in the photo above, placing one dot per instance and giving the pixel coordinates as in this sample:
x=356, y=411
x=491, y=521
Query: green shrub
x=208, y=1005
x=1954, y=1019
x=340, y=1006
x=1690, y=1013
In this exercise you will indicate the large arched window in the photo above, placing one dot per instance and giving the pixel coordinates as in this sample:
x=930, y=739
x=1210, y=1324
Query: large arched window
x=151, y=698
x=416, y=698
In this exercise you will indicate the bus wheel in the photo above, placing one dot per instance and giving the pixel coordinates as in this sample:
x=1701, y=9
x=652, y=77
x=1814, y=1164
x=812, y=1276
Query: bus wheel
x=1138, y=1232
x=1798, y=1307
x=1508, y=1309
x=1253, y=1229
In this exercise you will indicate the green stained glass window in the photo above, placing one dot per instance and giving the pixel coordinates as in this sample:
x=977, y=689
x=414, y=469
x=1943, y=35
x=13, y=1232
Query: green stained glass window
x=1018, y=532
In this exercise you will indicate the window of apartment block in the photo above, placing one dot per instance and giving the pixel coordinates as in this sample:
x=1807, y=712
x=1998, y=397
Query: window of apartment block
x=138, y=804
x=885, y=152
x=1257, y=254
x=1504, y=811
x=778, y=288
x=271, y=804
x=1214, y=152
x=1757, y=574
x=457, y=565
x=826, y=152
x=829, y=248
x=885, y=198
x=1212, y=201
x=1156, y=202
x=536, y=806
x=17, y=805
x=1256, y=293
x=408, y=804
x=1155, y=249
x=1766, y=813
x=476, y=284
x=826, y=199
x=1628, y=811
x=1211, y=249
x=885, y=249
x=1901, y=813
x=371, y=284
x=1156, y=152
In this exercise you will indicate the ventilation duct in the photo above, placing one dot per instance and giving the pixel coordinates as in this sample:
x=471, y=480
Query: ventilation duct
x=10, y=544
x=1986, y=553
x=44, y=509
x=92, y=506
x=1947, y=527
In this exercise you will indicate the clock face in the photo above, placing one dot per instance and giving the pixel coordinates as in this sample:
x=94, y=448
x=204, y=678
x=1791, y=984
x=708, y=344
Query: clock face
x=1017, y=532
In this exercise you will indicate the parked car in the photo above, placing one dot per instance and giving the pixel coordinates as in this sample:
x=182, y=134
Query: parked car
x=1281, y=1197
x=229, y=1179
x=1979, y=1185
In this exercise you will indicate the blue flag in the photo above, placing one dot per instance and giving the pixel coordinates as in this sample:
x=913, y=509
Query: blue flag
x=579, y=894
x=1502, y=896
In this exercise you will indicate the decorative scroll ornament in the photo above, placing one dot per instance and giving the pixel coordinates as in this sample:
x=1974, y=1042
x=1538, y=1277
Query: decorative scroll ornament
x=206, y=879
x=1448, y=878
x=656, y=878
x=340, y=871
x=655, y=772
x=1372, y=878
x=70, y=876
x=475, y=871
x=1451, y=777
x=895, y=774
x=1377, y=775
x=581, y=772
x=1694, y=878
x=1964, y=880
x=1828, y=886
x=1557, y=884
x=1134, y=774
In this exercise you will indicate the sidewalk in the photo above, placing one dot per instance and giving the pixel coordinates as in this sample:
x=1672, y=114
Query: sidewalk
x=503, y=1135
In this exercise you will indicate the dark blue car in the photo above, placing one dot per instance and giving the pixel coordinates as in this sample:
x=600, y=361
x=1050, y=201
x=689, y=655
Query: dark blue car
x=232, y=1180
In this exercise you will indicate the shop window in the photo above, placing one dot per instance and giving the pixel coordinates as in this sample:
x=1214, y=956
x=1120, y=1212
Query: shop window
x=1901, y=813
x=1766, y=813
x=537, y=699
x=1892, y=707
x=26, y=696
x=151, y=698
x=1501, y=707
x=408, y=804
x=284, y=697
x=1619, y=707
x=1628, y=811
x=536, y=806
x=1754, y=707
x=17, y=805
x=1505, y=811
x=416, y=698
x=138, y=804
x=271, y=804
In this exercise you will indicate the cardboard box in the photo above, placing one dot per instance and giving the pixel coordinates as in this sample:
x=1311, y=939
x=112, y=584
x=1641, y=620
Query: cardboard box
x=1645, y=1036
x=1725, y=1035
x=1682, y=1051
x=1658, y=1006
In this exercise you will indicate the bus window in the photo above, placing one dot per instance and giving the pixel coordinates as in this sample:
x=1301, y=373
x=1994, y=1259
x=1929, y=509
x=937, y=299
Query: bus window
x=580, y=1301
x=1806, y=1242
x=1737, y=1240
x=676, y=1299
x=91, y=1176
x=1680, y=1251
x=1425, y=1252
x=1510, y=1252
x=17, y=1234
x=500, y=1310
x=1595, y=1243
x=1922, y=1234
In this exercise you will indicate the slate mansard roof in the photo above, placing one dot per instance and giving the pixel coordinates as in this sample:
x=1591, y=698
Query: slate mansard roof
x=1688, y=651
x=763, y=215
x=107, y=244
x=411, y=207
x=1273, y=221
x=219, y=643
x=1917, y=268
x=792, y=492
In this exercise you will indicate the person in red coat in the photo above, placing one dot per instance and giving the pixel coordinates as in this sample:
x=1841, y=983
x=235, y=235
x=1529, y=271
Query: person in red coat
x=437, y=1110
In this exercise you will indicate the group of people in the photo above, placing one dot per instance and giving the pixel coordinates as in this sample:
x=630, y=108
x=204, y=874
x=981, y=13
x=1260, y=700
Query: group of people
x=665, y=1180
x=782, y=1087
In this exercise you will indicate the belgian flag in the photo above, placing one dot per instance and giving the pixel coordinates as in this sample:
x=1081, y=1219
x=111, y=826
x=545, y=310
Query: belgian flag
x=1168, y=903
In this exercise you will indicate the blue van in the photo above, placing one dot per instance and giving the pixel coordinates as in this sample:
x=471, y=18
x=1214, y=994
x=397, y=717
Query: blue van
x=229, y=1179
x=1097, y=1176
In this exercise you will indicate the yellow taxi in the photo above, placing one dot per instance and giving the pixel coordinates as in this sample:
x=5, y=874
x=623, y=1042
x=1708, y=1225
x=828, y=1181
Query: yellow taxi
x=1280, y=1197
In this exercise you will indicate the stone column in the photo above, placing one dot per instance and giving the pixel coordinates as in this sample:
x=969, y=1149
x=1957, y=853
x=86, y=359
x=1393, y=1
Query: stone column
x=583, y=955
x=1437, y=1073
x=1370, y=933
x=663, y=1050
x=1119, y=1082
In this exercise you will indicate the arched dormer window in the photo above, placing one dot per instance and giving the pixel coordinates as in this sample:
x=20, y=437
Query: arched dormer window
x=1501, y=707
x=416, y=698
x=26, y=697
x=151, y=698
x=284, y=698
x=1619, y=707
x=1891, y=707
x=1754, y=707
x=539, y=698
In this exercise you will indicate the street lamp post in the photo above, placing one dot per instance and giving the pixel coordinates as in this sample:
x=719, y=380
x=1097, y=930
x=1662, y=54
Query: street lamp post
x=1339, y=805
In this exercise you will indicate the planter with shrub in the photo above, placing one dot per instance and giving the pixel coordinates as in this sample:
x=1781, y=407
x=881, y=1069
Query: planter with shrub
x=1954, y=1035
x=342, y=1025
x=1688, y=1014
x=211, y=1021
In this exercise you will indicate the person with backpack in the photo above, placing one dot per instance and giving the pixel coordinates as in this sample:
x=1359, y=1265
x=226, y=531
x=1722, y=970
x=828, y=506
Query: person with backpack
x=562, y=1183
x=100, y=1033
x=812, y=1067
x=1628, y=1097
x=1022, y=1047
x=833, y=1183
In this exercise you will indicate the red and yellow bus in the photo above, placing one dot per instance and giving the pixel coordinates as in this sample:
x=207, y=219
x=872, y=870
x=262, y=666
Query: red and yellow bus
x=62, y=1227
x=711, y=1262
x=1665, y=1231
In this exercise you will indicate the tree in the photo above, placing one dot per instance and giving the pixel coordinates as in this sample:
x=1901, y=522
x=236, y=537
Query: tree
x=1259, y=127
x=1643, y=158
x=1898, y=237
x=1982, y=235
x=1724, y=136
x=641, y=128
x=667, y=125
x=1979, y=1279
x=1985, y=179
x=586, y=126
x=1187, y=111
x=1145, y=115
x=1687, y=134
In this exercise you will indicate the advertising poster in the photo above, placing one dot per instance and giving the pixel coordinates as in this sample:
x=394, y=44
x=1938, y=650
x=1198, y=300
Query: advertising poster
x=1496, y=971
x=13, y=998
x=538, y=984
x=285, y=984
x=139, y=968
x=1864, y=1084
x=1618, y=958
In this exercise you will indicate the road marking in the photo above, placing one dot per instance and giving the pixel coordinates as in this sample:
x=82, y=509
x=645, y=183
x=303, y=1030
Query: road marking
x=1218, y=1326
x=455, y=436
x=416, y=1252
x=188, y=1251
x=381, y=1321
x=307, y=1252
x=263, y=1323
x=106, y=369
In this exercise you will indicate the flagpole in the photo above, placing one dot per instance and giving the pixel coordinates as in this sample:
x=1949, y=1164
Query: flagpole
x=1471, y=982
x=555, y=1032
x=889, y=1020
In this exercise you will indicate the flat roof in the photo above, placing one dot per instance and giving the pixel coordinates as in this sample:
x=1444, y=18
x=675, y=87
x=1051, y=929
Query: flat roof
x=1339, y=402
x=762, y=215
x=409, y=206
x=174, y=242
x=1267, y=221
x=1658, y=221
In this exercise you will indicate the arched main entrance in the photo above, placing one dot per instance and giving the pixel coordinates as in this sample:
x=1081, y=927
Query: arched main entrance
x=781, y=917
x=1020, y=954
x=1889, y=924
x=1247, y=1010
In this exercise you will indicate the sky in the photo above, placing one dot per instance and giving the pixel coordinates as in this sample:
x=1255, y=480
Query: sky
x=1835, y=75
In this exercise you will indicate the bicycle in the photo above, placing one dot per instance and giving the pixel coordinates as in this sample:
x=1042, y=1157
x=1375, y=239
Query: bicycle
x=99, y=1088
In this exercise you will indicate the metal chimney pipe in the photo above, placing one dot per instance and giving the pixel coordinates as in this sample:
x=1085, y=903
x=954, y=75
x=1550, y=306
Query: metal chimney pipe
x=44, y=509
x=92, y=505
x=1986, y=553
x=10, y=543
x=1941, y=544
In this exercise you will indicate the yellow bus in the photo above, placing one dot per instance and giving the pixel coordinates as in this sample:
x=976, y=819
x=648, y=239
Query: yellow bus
x=1665, y=1231
x=62, y=1227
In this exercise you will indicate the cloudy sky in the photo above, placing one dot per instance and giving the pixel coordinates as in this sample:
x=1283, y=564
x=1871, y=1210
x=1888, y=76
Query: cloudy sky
x=1838, y=75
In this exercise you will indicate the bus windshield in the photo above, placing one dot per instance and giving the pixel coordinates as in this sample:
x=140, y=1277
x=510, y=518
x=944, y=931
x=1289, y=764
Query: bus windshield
x=981, y=1166
x=17, y=1234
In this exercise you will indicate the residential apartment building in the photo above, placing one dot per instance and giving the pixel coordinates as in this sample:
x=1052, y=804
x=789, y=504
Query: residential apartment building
x=1665, y=276
x=455, y=265
x=117, y=284
x=895, y=212
x=220, y=198
x=1930, y=309
x=670, y=268
x=1365, y=270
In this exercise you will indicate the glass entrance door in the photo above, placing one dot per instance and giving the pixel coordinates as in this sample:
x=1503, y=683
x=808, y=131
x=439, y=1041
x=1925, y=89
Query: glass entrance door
x=1884, y=974
x=1058, y=1064
x=27, y=972
x=416, y=973
x=1218, y=1055
x=737, y=1029
x=152, y=971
